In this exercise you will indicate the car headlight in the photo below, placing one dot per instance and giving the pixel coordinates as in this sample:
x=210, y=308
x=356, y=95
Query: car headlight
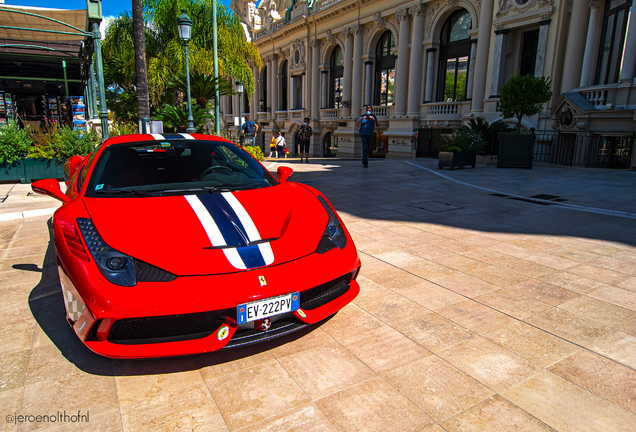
x=334, y=235
x=117, y=267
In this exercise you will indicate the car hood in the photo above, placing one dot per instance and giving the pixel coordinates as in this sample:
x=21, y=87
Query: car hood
x=213, y=233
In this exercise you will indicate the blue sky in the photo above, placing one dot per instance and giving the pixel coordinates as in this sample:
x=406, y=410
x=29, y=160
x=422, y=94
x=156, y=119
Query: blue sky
x=109, y=7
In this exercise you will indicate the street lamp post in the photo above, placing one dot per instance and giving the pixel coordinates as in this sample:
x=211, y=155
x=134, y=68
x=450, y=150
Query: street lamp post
x=185, y=27
x=239, y=90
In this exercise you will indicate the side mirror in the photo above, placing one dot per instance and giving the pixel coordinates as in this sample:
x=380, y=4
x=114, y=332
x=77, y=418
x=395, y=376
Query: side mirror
x=283, y=173
x=71, y=165
x=50, y=187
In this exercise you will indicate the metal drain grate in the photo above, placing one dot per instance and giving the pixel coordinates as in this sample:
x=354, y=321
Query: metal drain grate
x=435, y=206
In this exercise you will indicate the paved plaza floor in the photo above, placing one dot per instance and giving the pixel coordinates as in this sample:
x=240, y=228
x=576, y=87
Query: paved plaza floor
x=491, y=300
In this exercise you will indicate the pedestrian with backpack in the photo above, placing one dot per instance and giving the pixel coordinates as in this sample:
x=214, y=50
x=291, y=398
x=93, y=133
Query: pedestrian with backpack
x=367, y=124
x=304, y=135
x=249, y=130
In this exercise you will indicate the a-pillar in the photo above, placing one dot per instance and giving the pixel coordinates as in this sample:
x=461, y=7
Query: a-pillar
x=587, y=72
x=356, y=89
x=629, y=53
x=575, y=49
x=471, y=71
x=401, y=71
x=498, y=63
x=542, y=47
x=483, y=47
x=315, y=92
x=346, y=86
x=415, y=86
x=430, y=74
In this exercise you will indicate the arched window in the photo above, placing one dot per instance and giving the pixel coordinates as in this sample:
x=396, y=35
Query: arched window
x=336, y=72
x=610, y=58
x=454, y=57
x=283, y=88
x=384, y=70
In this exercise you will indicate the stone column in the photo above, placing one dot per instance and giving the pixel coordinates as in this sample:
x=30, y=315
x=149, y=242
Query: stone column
x=325, y=89
x=629, y=52
x=542, y=47
x=483, y=48
x=346, y=86
x=498, y=62
x=368, y=80
x=430, y=74
x=291, y=94
x=415, y=87
x=275, y=96
x=401, y=71
x=356, y=89
x=292, y=89
x=271, y=77
x=471, y=71
x=315, y=80
x=303, y=88
x=588, y=70
x=574, y=51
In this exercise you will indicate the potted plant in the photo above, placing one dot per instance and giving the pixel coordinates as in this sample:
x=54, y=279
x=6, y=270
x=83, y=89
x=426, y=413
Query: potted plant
x=14, y=145
x=460, y=149
x=522, y=96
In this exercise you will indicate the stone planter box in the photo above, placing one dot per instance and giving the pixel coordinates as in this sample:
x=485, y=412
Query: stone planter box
x=516, y=150
x=456, y=159
x=27, y=170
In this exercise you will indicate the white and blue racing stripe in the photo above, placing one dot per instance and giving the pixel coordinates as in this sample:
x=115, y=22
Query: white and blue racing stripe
x=180, y=136
x=227, y=223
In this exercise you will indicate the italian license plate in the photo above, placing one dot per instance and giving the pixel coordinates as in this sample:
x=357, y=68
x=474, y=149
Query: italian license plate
x=267, y=307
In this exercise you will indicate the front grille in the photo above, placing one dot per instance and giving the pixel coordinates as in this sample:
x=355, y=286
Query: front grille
x=244, y=337
x=323, y=294
x=148, y=273
x=169, y=328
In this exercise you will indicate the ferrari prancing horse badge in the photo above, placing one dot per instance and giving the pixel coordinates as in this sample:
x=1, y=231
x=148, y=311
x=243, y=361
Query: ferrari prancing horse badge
x=262, y=280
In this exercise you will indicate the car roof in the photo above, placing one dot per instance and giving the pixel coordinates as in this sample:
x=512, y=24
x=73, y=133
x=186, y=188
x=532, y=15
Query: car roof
x=121, y=139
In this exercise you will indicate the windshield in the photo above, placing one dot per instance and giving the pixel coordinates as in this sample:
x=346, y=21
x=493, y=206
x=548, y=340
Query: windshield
x=156, y=168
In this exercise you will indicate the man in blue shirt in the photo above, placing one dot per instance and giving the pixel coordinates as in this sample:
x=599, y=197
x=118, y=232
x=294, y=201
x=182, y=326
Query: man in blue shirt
x=367, y=124
x=250, y=129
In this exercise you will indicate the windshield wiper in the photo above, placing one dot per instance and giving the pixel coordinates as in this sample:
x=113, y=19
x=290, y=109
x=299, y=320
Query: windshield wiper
x=126, y=191
x=210, y=189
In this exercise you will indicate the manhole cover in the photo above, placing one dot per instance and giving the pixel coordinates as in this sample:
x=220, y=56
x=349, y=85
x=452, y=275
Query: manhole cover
x=435, y=206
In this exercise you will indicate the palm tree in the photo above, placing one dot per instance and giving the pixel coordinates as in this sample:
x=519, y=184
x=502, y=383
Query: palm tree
x=139, y=31
x=202, y=86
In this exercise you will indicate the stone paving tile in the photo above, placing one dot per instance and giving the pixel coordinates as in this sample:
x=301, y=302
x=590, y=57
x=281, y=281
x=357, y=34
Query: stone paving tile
x=488, y=363
x=436, y=387
x=475, y=316
x=626, y=255
x=254, y=394
x=616, y=265
x=599, y=311
x=466, y=285
x=430, y=295
x=304, y=418
x=533, y=344
x=598, y=273
x=568, y=407
x=601, y=376
x=498, y=276
x=572, y=282
x=544, y=292
x=372, y=406
x=570, y=327
x=350, y=323
x=512, y=303
x=618, y=346
x=494, y=414
x=630, y=327
x=628, y=284
x=617, y=296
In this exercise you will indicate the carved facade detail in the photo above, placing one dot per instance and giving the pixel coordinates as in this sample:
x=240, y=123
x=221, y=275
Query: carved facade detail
x=507, y=6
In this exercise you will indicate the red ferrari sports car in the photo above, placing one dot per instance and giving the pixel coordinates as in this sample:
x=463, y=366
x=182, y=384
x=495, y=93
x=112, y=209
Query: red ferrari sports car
x=180, y=244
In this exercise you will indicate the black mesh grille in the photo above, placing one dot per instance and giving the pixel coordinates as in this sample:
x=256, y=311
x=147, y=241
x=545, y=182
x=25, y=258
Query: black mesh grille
x=325, y=245
x=323, y=294
x=149, y=273
x=167, y=328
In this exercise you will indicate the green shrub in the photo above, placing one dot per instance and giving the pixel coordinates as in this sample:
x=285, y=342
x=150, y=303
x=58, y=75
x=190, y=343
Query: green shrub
x=524, y=96
x=120, y=127
x=256, y=152
x=74, y=142
x=464, y=139
x=14, y=143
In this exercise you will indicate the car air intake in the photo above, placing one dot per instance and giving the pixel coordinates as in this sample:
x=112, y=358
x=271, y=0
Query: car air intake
x=168, y=328
x=323, y=294
x=148, y=273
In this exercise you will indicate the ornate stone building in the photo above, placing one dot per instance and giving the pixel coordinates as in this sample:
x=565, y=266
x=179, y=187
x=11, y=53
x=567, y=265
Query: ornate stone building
x=438, y=64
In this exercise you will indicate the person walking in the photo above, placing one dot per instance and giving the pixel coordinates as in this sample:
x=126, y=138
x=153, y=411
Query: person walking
x=304, y=134
x=250, y=129
x=272, y=145
x=367, y=124
x=280, y=145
